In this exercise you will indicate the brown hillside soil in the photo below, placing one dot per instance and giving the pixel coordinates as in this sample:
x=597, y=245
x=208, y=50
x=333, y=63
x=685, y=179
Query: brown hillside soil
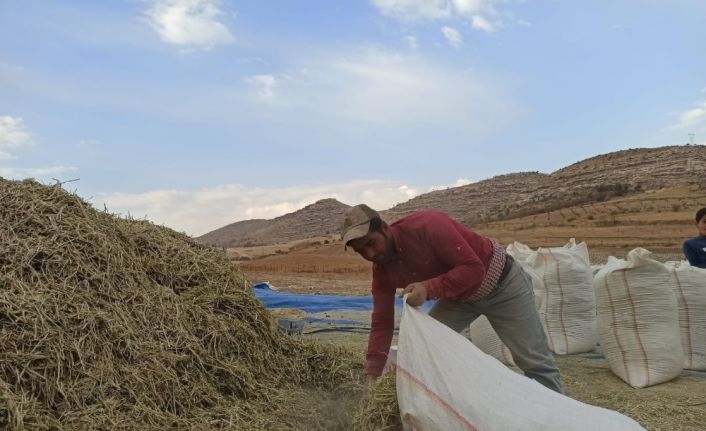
x=656, y=220
x=319, y=268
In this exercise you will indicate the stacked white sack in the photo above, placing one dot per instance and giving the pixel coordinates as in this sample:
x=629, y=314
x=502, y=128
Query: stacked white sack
x=519, y=251
x=446, y=383
x=638, y=319
x=568, y=310
x=482, y=333
x=689, y=284
x=485, y=338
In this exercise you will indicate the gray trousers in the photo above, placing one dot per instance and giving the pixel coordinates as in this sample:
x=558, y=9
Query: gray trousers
x=512, y=313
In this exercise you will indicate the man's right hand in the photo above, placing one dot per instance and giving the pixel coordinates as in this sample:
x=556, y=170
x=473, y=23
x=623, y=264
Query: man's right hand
x=417, y=294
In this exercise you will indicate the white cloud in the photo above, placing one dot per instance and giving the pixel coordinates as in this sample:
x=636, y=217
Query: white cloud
x=375, y=87
x=469, y=7
x=459, y=182
x=453, y=36
x=13, y=135
x=265, y=84
x=691, y=117
x=480, y=23
x=189, y=22
x=45, y=172
x=416, y=10
x=204, y=210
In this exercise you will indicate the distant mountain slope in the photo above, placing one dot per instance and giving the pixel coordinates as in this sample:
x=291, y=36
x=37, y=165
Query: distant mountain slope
x=234, y=233
x=504, y=197
x=321, y=218
x=591, y=180
x=485, y=200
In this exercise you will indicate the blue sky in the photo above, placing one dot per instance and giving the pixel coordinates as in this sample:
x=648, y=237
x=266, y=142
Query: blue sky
x=199, y=113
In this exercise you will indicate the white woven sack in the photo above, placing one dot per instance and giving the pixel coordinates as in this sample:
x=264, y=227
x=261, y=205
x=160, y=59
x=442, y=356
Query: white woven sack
x=522, y=253
x=567, y=308
x=689, y=284
x=519, y=251
x=597, y=267
x=446, y=383
x=638, y=319
x=485, y=338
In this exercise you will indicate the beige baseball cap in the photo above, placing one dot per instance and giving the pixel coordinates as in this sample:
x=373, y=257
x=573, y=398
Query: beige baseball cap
x=356, y=222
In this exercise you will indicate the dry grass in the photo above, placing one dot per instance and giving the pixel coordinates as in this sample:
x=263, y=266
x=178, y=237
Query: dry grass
x=378, y=409
x=678, y=405
x=109, y=323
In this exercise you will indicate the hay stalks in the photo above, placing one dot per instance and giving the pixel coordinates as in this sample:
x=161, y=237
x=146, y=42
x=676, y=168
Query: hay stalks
x=111, y=323
x=378, y=409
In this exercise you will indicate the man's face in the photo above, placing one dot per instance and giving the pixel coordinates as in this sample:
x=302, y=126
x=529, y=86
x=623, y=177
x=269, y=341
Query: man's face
x=375, y=247
x=701, y=226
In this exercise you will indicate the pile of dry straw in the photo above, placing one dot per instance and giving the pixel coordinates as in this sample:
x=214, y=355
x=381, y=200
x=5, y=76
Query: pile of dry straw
x=108, y=323
x=378, y=409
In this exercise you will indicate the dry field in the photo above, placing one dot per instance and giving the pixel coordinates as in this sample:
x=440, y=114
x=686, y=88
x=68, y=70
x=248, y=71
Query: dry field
x=658, y=221
x=678, y=405
x=316, y=268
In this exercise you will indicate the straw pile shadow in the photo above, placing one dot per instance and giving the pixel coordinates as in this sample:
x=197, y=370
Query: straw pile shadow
x=110, y=323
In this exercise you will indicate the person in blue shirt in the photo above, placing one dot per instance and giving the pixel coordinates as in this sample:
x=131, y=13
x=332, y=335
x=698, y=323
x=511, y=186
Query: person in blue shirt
x=695, y=248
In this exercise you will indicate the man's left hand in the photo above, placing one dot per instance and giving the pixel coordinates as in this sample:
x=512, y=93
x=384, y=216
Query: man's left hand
x=417, y=294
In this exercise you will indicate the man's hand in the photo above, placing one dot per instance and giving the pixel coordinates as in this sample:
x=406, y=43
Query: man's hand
x=417, y=294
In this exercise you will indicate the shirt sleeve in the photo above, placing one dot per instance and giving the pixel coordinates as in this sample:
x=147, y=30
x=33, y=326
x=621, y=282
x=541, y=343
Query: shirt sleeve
x=466, y=272
x=690, y=253
x=382, y=327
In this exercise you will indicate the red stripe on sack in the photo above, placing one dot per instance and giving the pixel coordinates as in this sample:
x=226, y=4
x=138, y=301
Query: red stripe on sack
x=435, y=397
x=646, y=360
x=685, y=307
x=561, y=304
x=545, y=305
x=623, y=354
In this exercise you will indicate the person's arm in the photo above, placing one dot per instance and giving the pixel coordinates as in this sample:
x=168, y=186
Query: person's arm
x=450, y=247
x=690, y=253
x=382, y=327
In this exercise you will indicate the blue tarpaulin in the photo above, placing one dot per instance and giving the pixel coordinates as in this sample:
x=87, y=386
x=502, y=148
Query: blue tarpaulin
x=314, y=303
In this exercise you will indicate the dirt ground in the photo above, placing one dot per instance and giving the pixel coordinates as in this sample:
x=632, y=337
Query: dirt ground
x=678, y=405
x=658, y=221
x=322, y=270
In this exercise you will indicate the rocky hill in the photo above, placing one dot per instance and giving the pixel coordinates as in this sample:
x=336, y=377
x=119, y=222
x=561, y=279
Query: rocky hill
x=233, y=234
x=504, y=197
x=592, y=180
x=318, y=219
